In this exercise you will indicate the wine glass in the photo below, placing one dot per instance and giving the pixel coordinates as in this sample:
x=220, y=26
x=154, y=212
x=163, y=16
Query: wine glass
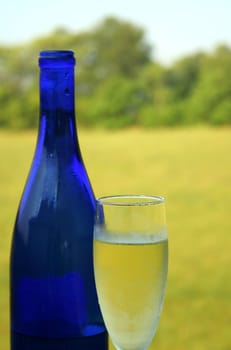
x=130, y=266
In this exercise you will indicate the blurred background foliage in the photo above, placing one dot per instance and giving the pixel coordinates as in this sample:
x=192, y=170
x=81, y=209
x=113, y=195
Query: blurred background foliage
x=119, y=83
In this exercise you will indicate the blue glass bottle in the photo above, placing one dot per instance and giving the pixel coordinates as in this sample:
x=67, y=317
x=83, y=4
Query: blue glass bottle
x=53, y=297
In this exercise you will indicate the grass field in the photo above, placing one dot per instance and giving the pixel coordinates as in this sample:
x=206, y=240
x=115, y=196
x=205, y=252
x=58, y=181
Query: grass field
x=192, y=169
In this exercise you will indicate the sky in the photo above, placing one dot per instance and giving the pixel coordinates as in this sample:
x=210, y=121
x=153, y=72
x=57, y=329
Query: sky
x=174, y=28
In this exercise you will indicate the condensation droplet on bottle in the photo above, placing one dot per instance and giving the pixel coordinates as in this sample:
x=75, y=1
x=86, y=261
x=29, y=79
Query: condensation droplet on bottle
x=67, y=92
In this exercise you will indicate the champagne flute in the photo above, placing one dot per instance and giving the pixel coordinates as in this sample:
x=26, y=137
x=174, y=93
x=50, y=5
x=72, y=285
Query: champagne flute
x=130, y=265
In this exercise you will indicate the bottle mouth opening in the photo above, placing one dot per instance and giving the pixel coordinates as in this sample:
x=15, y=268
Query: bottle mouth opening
x=56, y=58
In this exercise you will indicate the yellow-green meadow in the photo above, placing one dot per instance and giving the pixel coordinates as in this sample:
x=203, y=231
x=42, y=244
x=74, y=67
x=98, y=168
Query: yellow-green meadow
x=191, y=167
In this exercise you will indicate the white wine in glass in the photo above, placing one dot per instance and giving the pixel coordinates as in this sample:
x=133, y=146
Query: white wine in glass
x=130, y=262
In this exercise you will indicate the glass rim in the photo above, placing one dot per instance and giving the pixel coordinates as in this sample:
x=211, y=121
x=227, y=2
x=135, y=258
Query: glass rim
x=126, y=200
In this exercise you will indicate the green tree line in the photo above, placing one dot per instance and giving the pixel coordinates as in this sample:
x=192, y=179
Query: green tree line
x=118, y=82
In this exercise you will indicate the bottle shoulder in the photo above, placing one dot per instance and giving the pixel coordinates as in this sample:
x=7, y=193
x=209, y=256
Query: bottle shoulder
x=62, y=187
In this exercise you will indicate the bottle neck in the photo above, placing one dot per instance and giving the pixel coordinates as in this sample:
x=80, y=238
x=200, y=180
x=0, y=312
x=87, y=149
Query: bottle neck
x=57, y=129
x=57, y=90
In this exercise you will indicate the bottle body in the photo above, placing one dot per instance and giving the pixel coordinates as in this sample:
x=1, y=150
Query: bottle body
x=53, y=295
x=25, y=342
